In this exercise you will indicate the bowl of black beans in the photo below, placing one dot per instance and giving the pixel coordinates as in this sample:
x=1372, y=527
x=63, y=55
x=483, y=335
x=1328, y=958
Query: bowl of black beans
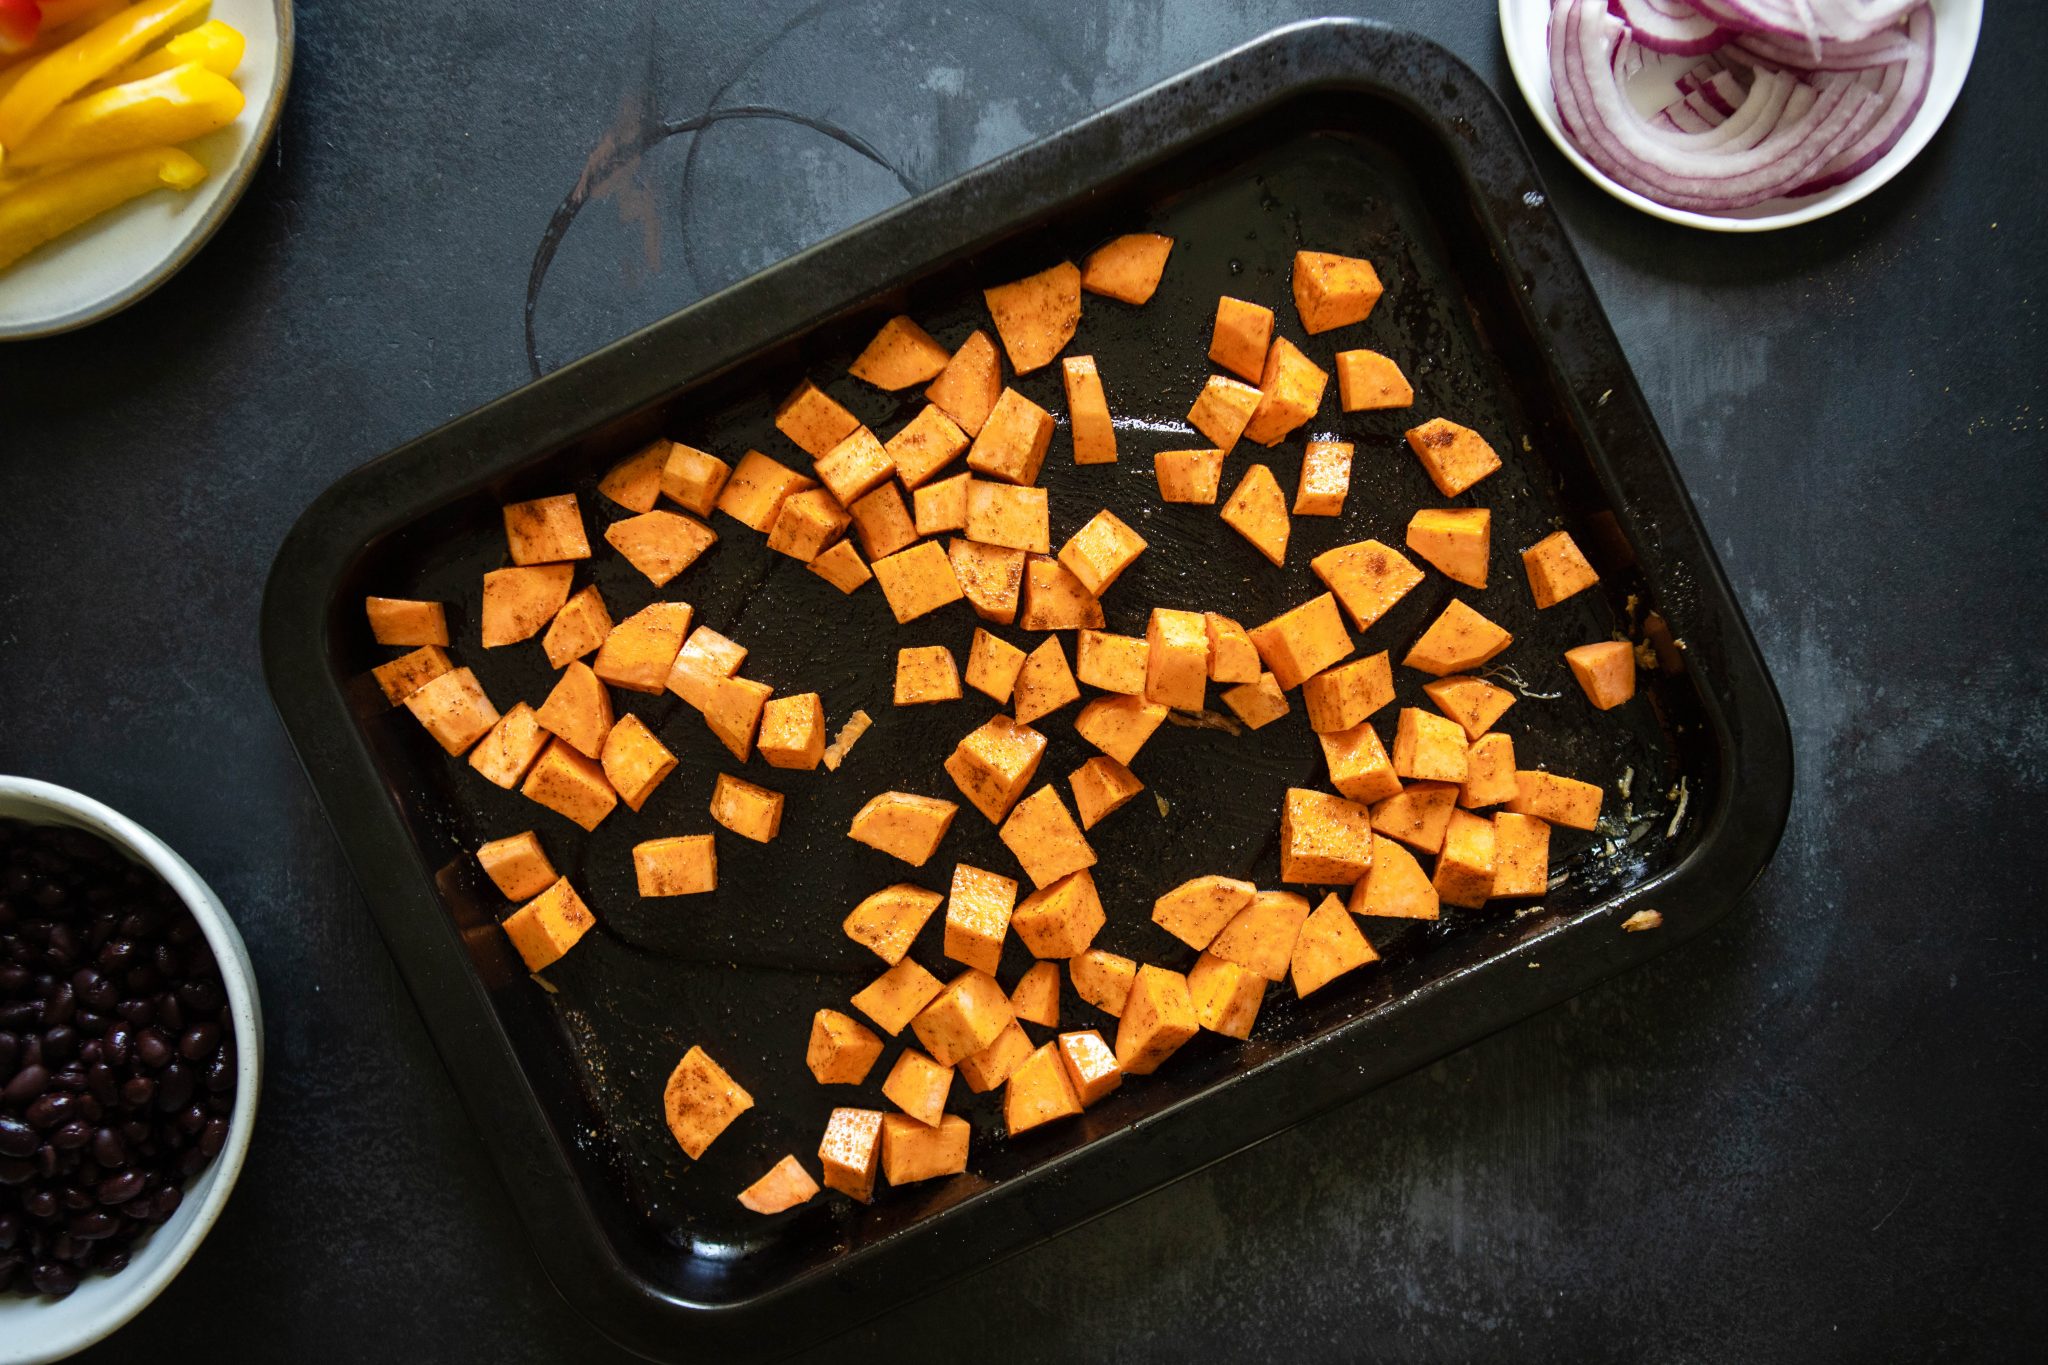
x=130, y=1058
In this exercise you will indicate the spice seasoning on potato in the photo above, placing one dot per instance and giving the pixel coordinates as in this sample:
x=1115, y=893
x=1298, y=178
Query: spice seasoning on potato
x=1260, y=937
x=813, y=419
x=841, y=1049
x=706, y=659
x=634, y=761
x=1233, y=658
x=1429, y=748
x=963, y=1018
x=1325, y=479
x=895, y=997
x=926, y=674
x=994, y=763
x=918, y=1086
x=1359, y=766
x=1226, y=996
x=1458, y=641
x=682, y=865
x=1298, y=644
x=504, y=754
x=1100, y=551
x=1196, y=911
x=518, y=602
x=1091, y=1065
x=570, y=785
x=546, y=530
x=1329, y=946
x=1061, y=920
x=734, y=712
x=904, y=825
x=1016, y=518
x=917, y=580
x=1395, y=886
x=978, y=916
x=1042, y=834
x=941, y=506
x=639, y=651
x=901, y=355
x=1332, y=291
x=1368, y=381
x=1521, y=856
x=1177, y=659
x=517, y=866
x=792, y=733
x=1257, y=704
x=1102, y=787
x=747, y=810
x=1606, y=672
x=926, y=444
x=1036, y=316
x=850, y=1152
x=1489, y=772
x=693, y=478
x=701, y=1101
x=1457, y=540
x=1324, y=839
x=1038, y=1092
x=549, y=925
x=1240, y=336
x=914, y=1151
x=1220, y=412
x=1088, y=411
x=1257, y=510
x=1053, y=599
x=809, y=521
x=1011, y=445
x=1119, y=725
x=660, y=544
x=1290, y=390
x=1464, y=869
x=1158, y=1016
x=1472, y=702
x=786, y=1185
x=756, y=489
x=966, y=390
x=404, y=621
x=1036, y=997
x=997, y=1062
x=1341, y=696
x=1190, y=476
x=887, y=922
x=1417, y=815
x=992, y=666
x=408, y=673
x=578, y=628
x=1454, y=457
x=1368, y=578
x=1127, y=268
x=882, y=522
x=991, y=577
x=634, y=483
x=454, y=710
x=1113, y=663
x=1560, y=800
x=855, y=466
x=1102, y=978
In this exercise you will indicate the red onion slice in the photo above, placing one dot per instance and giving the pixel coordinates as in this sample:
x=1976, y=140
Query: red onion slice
x=1902, y=90
x=1669, y=26
x=1879, y=49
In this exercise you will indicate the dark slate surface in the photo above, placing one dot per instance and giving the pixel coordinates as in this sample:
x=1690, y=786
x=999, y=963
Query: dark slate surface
x=1813, y=1134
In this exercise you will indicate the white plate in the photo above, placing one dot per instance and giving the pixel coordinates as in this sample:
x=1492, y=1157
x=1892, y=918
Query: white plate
x=1525, y=26
x=99, y=269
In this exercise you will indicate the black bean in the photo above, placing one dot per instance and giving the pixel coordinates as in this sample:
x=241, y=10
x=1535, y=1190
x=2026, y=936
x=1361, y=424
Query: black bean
x=101, y=1084
x=50, y=1277
x=71, y=1136
x=137, y=1091
x=59, y=1004
x=91, y=1227
x=17, y=1138
x=175, y=1086
x=109, y=1149
x=152, y=1048
x=213, y=1136
x=16, y=1170
x=199, y=1042
x=10, y=1230
x=119, y=1040
x=119, y=1189
x=28, y=1083
x=60, y=1043
x=40, y=1203
x=50, y=1110
x=10, y=1051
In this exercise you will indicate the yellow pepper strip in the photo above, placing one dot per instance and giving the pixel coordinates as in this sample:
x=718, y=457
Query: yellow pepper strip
x=157, y=111
x=108, y=45
x=63, y=20
x=215, y=45
x=52, y=205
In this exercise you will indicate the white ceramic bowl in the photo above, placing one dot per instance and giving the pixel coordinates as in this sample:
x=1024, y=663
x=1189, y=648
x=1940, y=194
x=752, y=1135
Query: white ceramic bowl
x=33, y=1330
x=119, y=257
x=1525, y=26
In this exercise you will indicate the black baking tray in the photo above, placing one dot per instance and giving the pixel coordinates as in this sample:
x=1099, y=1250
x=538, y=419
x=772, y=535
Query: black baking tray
x=1338, y=134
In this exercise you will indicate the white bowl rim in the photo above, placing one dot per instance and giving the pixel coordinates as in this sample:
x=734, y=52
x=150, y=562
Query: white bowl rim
x=169, y=1248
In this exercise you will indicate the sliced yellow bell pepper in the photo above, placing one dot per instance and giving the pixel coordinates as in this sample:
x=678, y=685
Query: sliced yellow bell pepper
x=106, y=46
x=215, y=45
x=51, y=205
x=157, y=111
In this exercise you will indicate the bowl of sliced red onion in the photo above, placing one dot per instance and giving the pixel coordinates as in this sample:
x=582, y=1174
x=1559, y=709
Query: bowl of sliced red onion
x=1740, y=115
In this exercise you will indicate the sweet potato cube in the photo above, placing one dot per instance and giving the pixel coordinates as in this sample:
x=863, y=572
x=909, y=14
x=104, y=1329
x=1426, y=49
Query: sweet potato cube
x=963, y=1018
x=1457, y=540
x=991, y=577
x=570, y=785
x=1220, y=412
x=1521, y=856
x=809, y=521
x=1056, y=600
x=851, y=1152
x=918, y=1086
x=1091, y=1065
x=917, y=580
x=518, y=866
x=758, y=486
x=1260, y=937
x=1324, y=839
x=926, y=673
x=1290, y=390
x=997, y=1062
x=1454, y=457
x=1464, y=870
x=1329, y=946
x=518, y=602
x=1429, y=748
x=978, y=916
x=1196, y=911
x=813, y=419
x=1127, y=268
x=902, y=354
x=1344, y=695
x=1102, y=978
x=855, y=467
x=1606, y=672
x=914, y=1151
x=1226, y=995
x=1472, y=702
x=1191, y=476
x=1417, y=815
x=786, y=1185
x=792, y=731
x=1016, y=518
x=882, y=523
x=942, y=506
x=1368, y=578
x=1458, y=641
x=1177, y=659
x=1039, y=1092
x=504, y=755
x=1114, y=663
x=841, y=566
x=578, y=628
x=1101, y=550
x=1368, y=381
x=454, y=710
x=966, y=390
x=1119, y=725
x=994, y=763
x=546, y=530
x=1298, y=644
x=408, y=673
x=634, y=761
x=660, y=544
x=1088, y=411
x=992, y=666
x=904, y=825
x=1257, y=510
x=1158, y=1016
x=887, y=922
x=1395, y=886
x=747, y=810
x=841, y=1049
x=1036, y=316
x=639, y=651
x=1062, y=919
x=1258, y=704
x=1241, y=336
x=894, y=998
x=404, y=621
x=1043, y=836
x=1102, y=787
x=1011, y=445
x=927, y=443
x=1358, y=763
x=1325, y=479
x=549, y=925
x=1045, y=683
x=734, y=713
x=1035, y=998
x=681, y=865
x=634, y=483
x=694, y=478
x=1332, y=291
x=1560, y=800
x=1489, y=772
x=705, y=660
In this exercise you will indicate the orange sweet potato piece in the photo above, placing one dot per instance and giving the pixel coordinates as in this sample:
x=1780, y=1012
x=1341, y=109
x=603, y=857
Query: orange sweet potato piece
x=1258, y=703
x=1101, y=550
x=994, y=763
x=1489, y=772
x=917, y=580
x=1062, y=919
x=750, y=811
x=1368, y=381
x=504, y=755
x=813, y=419
x=1036, y=997
x=841, y=1049
x=1036, y=316
x=1039, y=1092
x=914, y=1151
x=1464, y=870
x=1457, y=540
x=1341, y=696
x=904, y=825
x=1241, y=336
x=1221, y=410
x=1332, y=291
x=1091, y=1065
x=701, y=1101
x=408, y=673
x=705, y=660
x=1325, y=479
x=1226, y=996
x=786, y=1185
x=1300, y=643
x=1257, y=510
x=404, y=621
x=883, y=522
x=1053, y=599
x=854, y=467
x=1191, y=476
x=693, y=478
x=1196, y=911
x=549, y=925
x=966, y=390
x=1103, y=979
x=997, y=1062
x=1429, y=748
x=1454, y=457
x=991, y=577
x=1127, y=268
x=578, y=628
x=546, y=530
x=1606, y=672
x=1176, y=660
x=1395, y=886
x=1016, y=518
x=927, y=443
x=1233, y=658
x=1260, y=938
x=1011, y=444
x=894, y=998
x=639, y=651
x=1042, y=834
x=942, y=506
x=1088, y=411
x=1329, y=946
x=963, y=1018
x=887, y=922
x=634, y=761
x=1358, y=763
x=978, y=916
x=1102, y=787
x=681, y=865
x=1114, y=663
x=1472, y=702
x=1045, y=683
x=1417, y=815
x=841, y=566
x=792, y=733
x=1458, y=641
x=758, y=486
x=579, y=710
x=851, y=1152
x=454, y=710
x=918, y=1086
x=570, y=785
x=901, y=354
x=809, y=521
x=660, y=544
x=634, y=483
x=1158, y=1016
x=1560, y=800
x=993, y=664
x=1290, y=390
x=1521, y=855
x=925, y=674
x=518, y=602
x=1368, y=578
x=517, y=866
x=1119, y=725
x=1324, y=839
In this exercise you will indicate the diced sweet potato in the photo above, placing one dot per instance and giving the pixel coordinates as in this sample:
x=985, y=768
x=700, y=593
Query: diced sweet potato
x=634, y=761
x=1472, y=702
x=1119, y=725
x=813, y=419
x=978, y=916
x=786, y=1185
x=1127, y=268
x=904, y=825
x=1560, y=800
x=546, y=530
x=991, y=577
x=639, y=651
x=1489, y=772
x=747, y=810
x=1290, y=390
x=549, y=925
x=1114, y=663
x=1457, y=540
x=1257, y=510
x=924, y=674
x=808, y=522
x=997, y=1062
x=1017, y=518
x=1091, y=1065
x=887, y=922
x=1196, y=911
x=1454, y=457
x=914, y=1151
x=994, y=763
x=842, y=1049
x=1241, y=336
x=1088, y=411
x=963, y=1018
x=578, y=628
x=570, y=785
x=1395, y=886
x=1325, y=479
x=681, y=865
x=1358, y=763
x=1606, y=672
x=660, y=544
x=1521, y=856
x=454, y=710
x=1368, y=381
x=1045, y=683
x=518, y=866
x=894, y=998
x=1332, y=291
x=851, y=1152
x=1177, y=660
x=966, y=390
x=1102, y=787
x=734, y=712
x=1341, y=696
x=1368, y=578
x=1258, y=704
x=694, y=478
x=927, y=443
x=1458, y=641
x=634, y=483
x=1043, y=836
x=504, y=755
x=1464, y=870
x=855, y=466
x=1429, y=748
x=1329, y=946
x=918, y=1086
x=1158, y=1016
x=841, y=566
x=1417, y=815
x=1191, y=476
x=408, y=673
x=1035, y=998
x=1062, y=919
x=917, y=580
x=1324, y=839
x=1102, y=978
x=1298, y=644
x=1036, y=316
x=883, y=522
x=1101, y=550
x=758, y=486
x=1054, y=599
x=1226, y=995
x=792, y=731
x=404, y=621
x=1260, y=937
x=942, y=506
x=518, y=602
x=901, y=354
x=992, y=666
x=1220, y=412
x=1039, y=1092
x=706, y=659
